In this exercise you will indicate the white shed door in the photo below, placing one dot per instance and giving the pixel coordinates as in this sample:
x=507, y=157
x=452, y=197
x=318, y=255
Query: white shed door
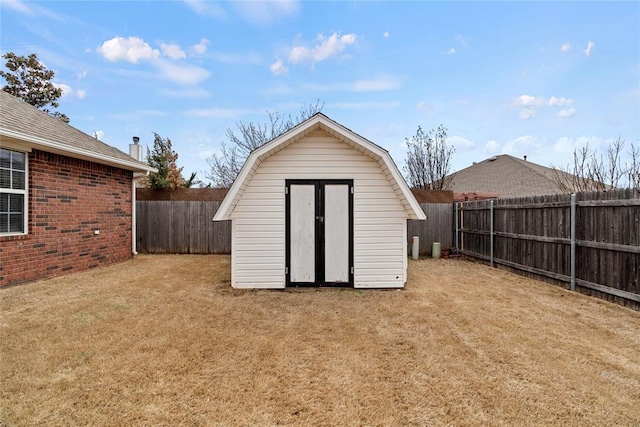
x=303, y=226
x=336, y=233
x=319, y=232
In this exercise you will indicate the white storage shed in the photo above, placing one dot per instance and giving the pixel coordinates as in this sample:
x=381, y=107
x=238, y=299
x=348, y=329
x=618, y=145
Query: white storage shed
x=319, y=206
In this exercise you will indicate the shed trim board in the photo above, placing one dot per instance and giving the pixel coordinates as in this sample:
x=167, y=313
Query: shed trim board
x=331, y=262
x=319, y=206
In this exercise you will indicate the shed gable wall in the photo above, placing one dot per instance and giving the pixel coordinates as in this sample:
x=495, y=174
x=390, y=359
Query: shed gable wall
x=68, y=200
x=258, y=249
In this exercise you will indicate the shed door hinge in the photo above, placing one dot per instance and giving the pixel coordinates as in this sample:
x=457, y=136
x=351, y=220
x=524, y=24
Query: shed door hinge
x=286, y=270
x=286, y=190
x=351, y=190
x=351, y=270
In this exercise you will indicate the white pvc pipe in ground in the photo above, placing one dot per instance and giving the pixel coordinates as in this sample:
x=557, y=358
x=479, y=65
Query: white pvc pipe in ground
x=415, y=247
x=435, y=250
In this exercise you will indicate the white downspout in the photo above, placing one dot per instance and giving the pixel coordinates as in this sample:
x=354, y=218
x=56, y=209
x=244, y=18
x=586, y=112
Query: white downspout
x=135, y=151
x=133, y=216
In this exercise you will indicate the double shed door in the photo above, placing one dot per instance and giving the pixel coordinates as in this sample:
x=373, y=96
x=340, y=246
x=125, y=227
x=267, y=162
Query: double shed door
x=319, y=232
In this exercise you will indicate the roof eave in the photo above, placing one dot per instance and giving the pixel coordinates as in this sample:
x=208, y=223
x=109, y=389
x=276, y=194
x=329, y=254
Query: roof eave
x=55, y=147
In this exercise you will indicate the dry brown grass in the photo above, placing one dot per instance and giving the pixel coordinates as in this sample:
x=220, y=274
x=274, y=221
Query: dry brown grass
x=164, y=340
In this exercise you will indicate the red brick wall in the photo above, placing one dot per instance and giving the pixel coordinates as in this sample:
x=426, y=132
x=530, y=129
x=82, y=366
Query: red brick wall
x=68, y=200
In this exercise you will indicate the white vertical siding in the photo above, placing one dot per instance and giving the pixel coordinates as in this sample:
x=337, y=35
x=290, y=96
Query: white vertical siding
x=258, y=246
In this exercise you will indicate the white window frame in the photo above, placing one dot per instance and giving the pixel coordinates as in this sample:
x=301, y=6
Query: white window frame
x=25, y=192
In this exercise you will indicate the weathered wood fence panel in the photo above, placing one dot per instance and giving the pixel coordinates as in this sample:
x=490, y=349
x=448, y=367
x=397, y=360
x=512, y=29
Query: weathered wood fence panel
x=437, y=228
x=533, y=235
x=182, y=227
x=186, y=227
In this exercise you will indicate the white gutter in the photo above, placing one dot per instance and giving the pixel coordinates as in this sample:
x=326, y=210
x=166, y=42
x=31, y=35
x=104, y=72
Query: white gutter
x=78, y=152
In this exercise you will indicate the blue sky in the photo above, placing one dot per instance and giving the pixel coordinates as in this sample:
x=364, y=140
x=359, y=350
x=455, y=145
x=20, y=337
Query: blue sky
x=521, y=78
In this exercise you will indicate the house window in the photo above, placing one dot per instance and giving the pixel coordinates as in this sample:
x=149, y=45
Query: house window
x=13, y=192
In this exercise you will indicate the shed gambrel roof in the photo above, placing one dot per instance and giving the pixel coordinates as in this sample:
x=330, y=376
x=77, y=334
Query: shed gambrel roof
x=321, y=122
x=23, y=123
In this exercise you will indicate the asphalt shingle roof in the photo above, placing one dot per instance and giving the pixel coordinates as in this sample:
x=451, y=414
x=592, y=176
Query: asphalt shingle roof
x=23, y=121
x=505, y=175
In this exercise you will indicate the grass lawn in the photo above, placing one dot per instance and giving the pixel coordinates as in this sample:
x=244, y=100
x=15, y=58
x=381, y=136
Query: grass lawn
x=165, y=340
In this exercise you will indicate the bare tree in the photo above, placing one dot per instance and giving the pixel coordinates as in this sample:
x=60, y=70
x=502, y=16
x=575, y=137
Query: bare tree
x=225, y=166
x=633, y=167
x=428, y=159
x=590, y=172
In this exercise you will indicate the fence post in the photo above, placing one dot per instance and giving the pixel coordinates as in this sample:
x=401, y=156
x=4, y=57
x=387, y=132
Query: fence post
x=457, y=228
x=573, y=242
x=491, y=230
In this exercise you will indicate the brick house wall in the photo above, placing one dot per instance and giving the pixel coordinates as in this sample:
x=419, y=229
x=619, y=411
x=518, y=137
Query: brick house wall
x=68, y=200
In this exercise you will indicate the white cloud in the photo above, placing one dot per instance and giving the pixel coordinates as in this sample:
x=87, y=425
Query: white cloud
x=559, y=102
x=491, y=147
x=265, y=12
x=82, y=75
x=423, y=106
x=365, y=105
x=385, y=34
x=529, y=105
x=464, y=42
x=564, y=146
x=528, y=101
x=182, y=73
x=66, y=89
x=18, y=6
x=590, y=46
x=99, y=134
x=451, y=51
x=206, y=8
x=29, y=8
x=278, y=68
x=523, y=145
x=524, y=73
x=527, y=113
x=200, y=48
x=565, y=114
x=172, y=50
x=460, y=142
x=131, y=49
x=565, y=47
x=324, y=48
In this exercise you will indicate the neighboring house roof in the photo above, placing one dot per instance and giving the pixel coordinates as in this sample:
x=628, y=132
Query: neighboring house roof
x=432, y=196
x=23, y=123
x=336, y=130
x=505, y=176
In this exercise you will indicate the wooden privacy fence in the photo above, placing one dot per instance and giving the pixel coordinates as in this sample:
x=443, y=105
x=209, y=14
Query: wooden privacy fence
x=588, y=241
x=437, y=228
x=181, y=227
x=186, y=227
